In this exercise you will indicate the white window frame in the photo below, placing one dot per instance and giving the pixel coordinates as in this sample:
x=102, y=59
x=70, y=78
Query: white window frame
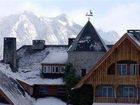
x=52, y=69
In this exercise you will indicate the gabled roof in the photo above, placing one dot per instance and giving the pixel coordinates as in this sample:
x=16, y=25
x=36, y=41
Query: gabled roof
x=88, y=40
x=125, y=36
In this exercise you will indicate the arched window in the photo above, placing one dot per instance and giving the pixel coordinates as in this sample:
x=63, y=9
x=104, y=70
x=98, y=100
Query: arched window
x=111, y=70
x=126, y=91
x=104, y=91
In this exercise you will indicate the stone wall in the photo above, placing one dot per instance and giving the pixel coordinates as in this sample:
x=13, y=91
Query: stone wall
x=83, y=60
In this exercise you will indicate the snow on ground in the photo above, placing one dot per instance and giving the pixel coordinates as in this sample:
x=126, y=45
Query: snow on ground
x=49, y=101
x=113, y=104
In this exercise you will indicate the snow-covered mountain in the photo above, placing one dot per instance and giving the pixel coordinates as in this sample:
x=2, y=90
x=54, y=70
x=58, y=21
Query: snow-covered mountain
x=27, y=26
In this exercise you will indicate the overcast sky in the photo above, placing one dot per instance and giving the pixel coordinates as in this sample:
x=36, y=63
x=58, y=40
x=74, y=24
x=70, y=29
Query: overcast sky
x=117, y=15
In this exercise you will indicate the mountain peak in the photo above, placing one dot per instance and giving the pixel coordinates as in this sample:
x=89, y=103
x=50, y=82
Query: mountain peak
x=62, y=17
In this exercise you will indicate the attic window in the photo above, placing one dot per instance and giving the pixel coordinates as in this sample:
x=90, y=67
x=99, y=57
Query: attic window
x=111, y=70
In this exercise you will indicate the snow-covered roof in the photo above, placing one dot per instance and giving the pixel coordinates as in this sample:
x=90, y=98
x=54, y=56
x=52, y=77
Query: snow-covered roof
x=88, y=40
x=31, y=77
x=134, y=38
x=59, y=57
x=29, y=64
x=12, y=89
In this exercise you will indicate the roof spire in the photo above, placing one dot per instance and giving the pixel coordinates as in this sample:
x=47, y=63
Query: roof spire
x=89, y=14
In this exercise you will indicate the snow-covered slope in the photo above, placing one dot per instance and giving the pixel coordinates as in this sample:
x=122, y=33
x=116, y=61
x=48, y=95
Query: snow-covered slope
x=27, y=26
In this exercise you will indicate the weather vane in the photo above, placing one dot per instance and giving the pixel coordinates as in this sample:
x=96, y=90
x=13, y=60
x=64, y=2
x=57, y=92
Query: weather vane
x=89, y=14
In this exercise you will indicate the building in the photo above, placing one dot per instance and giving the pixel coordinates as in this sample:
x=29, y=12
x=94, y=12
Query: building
x=116, y=76
x=41, y=67
x=111, y=73
x=86, y=49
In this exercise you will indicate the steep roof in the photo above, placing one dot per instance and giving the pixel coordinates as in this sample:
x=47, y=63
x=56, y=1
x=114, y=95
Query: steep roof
x=128, y=36
x=11, y=88
x=29, y=63
x=88, y=40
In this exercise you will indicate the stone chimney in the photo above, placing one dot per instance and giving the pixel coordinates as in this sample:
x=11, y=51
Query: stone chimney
x=9, y=52
x=70, y=41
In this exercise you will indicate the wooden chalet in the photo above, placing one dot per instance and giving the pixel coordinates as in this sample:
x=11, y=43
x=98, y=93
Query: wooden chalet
x=115, y=78
x=5, y=99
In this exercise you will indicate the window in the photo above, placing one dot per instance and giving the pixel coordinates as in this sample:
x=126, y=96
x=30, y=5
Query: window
x=105, y=91
x=62, y=69
x=56, y=70
x=83, y=72
x=128, y=91
x=122, y=69
x=111, y=70
x=49, y=69
x=53, y=69
x=43, y=90
x=133, y=69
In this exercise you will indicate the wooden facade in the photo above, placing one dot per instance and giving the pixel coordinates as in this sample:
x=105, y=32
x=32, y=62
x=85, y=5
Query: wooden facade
x=105, y=73
x=28, y=88
x=48, y=90
x=42, y=90
x=4, y=99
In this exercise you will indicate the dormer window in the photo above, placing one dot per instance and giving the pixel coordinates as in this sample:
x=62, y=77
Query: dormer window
x=53, y=71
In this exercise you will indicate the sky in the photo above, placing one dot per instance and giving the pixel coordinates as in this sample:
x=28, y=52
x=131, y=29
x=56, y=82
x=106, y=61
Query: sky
x=108, y=15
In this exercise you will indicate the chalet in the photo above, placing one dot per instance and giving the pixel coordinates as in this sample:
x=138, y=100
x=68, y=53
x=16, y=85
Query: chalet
x=115, y=77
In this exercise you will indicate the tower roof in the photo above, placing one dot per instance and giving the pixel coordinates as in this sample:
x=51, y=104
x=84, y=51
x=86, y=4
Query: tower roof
x=88, y=40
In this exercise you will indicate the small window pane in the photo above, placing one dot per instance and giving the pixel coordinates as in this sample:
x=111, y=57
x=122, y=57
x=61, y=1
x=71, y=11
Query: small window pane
x=57, y=70
x=122, y=69
x=105, y=91
x=62, y=69
x=132, y=69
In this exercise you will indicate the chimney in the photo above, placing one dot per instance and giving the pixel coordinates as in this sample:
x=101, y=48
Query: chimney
x=70, y=41
x=136, y=33
x=9, y=52
x=38, y=44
